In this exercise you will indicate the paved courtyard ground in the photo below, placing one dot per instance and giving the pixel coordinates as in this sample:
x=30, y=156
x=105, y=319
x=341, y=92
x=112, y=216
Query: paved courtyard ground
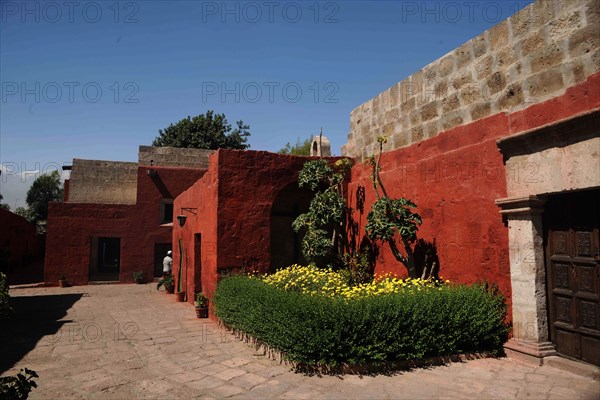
x=130, y=341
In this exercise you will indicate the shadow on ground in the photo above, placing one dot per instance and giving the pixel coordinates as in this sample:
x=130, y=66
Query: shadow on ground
x=34, y=317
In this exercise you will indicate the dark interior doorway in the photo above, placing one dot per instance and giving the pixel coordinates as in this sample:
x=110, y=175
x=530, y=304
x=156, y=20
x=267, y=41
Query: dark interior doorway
x=572, y=223
x=105, y=260
x=160, y=252
x=286, y=245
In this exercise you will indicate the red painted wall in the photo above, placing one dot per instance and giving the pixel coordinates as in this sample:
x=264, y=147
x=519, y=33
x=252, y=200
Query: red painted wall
x=249, y=182
x=232, y=205
x=455, y=178
x=576, y=100
x=72, y=225
x=199, y=270
x=23, y=247
x=70, y=228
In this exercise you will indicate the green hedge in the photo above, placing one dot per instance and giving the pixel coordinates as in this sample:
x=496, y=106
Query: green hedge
x=5, y=308
x=402, y=326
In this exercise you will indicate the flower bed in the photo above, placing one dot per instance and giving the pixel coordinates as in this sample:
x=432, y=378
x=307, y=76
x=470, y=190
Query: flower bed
x=327, y=282
x=321, y=320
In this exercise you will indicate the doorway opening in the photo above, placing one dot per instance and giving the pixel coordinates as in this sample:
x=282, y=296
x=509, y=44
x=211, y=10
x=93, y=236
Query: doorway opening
x=105, y=259
x=286, y=245
x=160, y=252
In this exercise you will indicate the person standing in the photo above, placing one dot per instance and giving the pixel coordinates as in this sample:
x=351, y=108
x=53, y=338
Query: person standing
x=168, y=263
x=167, y=268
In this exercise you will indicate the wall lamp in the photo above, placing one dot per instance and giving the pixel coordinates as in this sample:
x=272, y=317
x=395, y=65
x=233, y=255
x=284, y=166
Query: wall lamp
x=182, y=218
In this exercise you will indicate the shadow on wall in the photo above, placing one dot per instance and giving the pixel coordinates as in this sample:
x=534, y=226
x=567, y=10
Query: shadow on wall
x=426, y=259
x=35, y=318
x=30, y=271
x=425, y=252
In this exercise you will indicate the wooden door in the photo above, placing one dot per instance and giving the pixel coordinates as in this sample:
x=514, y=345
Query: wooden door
x=573, y=271
x=109, y=254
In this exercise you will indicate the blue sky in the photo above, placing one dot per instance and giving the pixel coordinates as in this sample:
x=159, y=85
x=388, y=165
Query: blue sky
x=95, y=79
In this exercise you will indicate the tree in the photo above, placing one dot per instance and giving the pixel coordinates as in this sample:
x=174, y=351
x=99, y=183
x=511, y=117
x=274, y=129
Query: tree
x=4, y=205
x=299, y=149
x=44, y=189
x=391, y=217
x=25, y=213
x=205, y=131
x=5, y=308
x=325, y=237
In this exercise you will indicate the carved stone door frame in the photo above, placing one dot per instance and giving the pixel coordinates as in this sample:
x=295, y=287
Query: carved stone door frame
x=555, y=158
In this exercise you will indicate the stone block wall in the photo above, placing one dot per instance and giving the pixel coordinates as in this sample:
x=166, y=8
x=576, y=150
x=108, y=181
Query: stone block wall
x=115, y=182
x=108, y=182
x=174, y=157
x=531, y=57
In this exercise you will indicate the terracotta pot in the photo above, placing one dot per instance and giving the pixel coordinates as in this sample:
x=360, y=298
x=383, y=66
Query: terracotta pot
x=179, y=296
x=202, y=312
x=169, y=289
x=63, y=283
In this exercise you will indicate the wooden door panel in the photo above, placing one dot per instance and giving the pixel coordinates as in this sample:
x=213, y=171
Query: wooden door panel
x=588, y=314
x=572, y=233
x=562, y=276
x=560, y=241
x=583, y=244
x=567, y=342
x=564, y=310
x=586, y=279
x=590, y=349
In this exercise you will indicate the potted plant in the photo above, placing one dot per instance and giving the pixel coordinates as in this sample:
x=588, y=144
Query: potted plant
x=62, y=281
x=138, y=277
x=179, y=296
x=168, y=282
x=201, y=304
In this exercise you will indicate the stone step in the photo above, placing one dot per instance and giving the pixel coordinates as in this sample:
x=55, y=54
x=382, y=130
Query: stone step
x=575, y=367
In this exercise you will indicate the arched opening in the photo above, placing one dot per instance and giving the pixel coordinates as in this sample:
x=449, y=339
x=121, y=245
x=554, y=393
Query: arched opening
x=285, y=243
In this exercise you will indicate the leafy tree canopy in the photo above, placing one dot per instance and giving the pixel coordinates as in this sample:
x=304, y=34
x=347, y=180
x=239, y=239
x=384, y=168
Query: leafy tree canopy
x=25, y=213
x=205, y=131
x=4, y=205
x=391, y=217
x=44, y=189
x=324, y=223
x=301, y=148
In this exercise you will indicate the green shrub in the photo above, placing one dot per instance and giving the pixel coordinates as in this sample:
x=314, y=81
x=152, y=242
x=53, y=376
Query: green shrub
x=5, y=308
x=406, y=325
x=138, y=276
x=167, y=281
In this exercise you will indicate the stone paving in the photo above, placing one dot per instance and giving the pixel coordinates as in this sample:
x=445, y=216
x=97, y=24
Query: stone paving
x=130, y=341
